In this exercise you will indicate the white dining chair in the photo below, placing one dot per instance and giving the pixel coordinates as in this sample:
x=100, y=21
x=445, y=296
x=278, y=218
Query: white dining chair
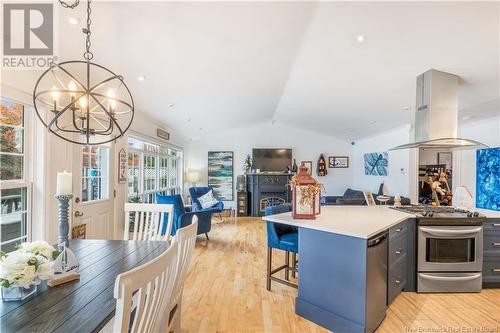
x=147, y=220
x=141, y=294
x=186, y=238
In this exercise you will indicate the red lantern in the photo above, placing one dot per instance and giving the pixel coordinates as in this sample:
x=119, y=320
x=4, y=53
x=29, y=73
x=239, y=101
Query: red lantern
x=306, y=193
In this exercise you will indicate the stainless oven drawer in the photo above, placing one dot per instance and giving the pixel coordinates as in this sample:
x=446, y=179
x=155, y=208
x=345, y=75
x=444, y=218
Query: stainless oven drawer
x=449, y=282
x=450, y=248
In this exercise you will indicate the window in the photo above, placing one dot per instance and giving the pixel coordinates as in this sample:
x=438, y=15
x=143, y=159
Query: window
x=15, y=206
x=152, y=168
x=12, y=140
x=94, y=173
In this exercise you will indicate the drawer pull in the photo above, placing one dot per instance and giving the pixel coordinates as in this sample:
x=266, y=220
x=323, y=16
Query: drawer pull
x=496, y=270
x=398, y=230
x=496, y=244
x=398, y=281
x=398, y=251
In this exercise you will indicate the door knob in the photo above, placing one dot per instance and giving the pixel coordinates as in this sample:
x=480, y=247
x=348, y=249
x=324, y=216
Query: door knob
x=78, y=213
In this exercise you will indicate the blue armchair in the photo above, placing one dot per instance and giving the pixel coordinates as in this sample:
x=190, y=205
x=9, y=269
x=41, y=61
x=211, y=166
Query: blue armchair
x=285, y=238
x=182, y=216
x=196, y=192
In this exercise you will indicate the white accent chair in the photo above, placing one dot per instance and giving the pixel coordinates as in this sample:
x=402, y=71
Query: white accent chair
x=148, y=221
x=142, y=293
x=186, y=238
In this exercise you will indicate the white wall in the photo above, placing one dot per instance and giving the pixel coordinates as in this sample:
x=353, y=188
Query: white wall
x=306, y=145
x=399, y=171
x=486, y=131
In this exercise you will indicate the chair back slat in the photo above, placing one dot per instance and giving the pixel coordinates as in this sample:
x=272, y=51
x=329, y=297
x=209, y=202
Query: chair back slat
x=186, y=239
x=148, y=221
x=141, y=293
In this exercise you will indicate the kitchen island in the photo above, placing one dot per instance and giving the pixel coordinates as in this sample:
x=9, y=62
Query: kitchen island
x=343, y=282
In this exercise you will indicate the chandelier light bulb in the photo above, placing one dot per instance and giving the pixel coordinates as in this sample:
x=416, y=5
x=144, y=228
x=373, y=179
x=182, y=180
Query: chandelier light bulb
x=111, y=95
x=55, y=94
x=72, y=87
x=83, y=102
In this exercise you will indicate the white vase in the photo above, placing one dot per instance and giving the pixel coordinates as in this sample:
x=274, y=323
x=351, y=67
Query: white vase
x=17, y=293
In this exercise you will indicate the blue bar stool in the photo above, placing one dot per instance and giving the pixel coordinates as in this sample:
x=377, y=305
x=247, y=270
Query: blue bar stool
x=285, y=238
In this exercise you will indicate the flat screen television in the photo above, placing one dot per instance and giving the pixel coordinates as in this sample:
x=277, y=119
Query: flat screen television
x=271, y=159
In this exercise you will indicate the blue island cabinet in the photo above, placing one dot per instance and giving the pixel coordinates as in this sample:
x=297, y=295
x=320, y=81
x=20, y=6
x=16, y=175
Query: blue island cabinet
x=333, y=279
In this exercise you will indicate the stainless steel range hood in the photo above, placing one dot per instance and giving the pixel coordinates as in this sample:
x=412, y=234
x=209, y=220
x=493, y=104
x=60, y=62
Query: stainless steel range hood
x=436, y=113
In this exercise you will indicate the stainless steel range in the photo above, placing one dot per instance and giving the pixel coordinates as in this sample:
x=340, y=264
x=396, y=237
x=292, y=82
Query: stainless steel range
x=450, y=249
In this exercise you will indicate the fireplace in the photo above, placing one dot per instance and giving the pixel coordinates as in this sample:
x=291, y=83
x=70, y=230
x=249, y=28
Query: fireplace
x=266, y=190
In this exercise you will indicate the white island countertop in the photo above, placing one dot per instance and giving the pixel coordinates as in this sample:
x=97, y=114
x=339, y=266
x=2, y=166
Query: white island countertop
x=356, y=221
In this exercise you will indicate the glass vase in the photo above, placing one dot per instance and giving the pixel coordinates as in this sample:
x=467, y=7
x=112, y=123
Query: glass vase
x=17, y=293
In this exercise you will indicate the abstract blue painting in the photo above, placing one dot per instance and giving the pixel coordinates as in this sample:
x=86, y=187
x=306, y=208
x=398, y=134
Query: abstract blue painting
x=376, y=164
x=220, y=174
x=488, y=178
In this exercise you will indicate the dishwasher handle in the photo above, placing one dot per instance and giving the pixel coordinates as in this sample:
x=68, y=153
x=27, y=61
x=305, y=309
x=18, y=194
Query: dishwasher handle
x=376, y=240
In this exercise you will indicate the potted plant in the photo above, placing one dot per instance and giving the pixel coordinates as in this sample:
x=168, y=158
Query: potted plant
x=23, y=269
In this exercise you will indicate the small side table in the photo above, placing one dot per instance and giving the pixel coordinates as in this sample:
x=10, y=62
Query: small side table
x=383, y=199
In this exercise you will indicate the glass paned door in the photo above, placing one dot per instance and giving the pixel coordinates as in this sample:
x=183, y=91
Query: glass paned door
x=95, y=166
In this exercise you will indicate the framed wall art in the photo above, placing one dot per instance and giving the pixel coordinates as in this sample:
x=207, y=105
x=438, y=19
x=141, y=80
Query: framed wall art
x=376, y=164
x=220, y=174
x=122, y=166
x=488, y=178
x=338, y=161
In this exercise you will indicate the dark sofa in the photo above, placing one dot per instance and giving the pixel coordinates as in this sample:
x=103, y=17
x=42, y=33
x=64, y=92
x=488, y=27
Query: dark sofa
x=355, y=198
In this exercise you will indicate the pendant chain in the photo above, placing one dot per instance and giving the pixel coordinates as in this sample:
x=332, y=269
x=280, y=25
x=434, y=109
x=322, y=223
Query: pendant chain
x=66, y=5
x=87, y=55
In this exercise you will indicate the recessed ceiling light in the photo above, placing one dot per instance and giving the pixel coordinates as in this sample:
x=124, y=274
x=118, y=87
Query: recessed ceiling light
x=373, y=121
x=406, y=108
x=73, y=20
x=360, y=38
x=171, y=105
x=141, y=78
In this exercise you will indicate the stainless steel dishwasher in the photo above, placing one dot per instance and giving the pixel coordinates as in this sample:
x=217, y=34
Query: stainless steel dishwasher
x=376, y=281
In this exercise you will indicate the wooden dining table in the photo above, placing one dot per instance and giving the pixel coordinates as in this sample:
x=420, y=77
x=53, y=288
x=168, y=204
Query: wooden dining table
x=85, y=305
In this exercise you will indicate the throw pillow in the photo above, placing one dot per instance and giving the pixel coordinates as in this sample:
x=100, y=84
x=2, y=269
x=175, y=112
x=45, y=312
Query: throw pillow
x=207, y=200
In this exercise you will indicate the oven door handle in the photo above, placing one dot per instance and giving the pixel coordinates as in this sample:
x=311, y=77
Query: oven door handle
x=450, y=278
x=446, y=232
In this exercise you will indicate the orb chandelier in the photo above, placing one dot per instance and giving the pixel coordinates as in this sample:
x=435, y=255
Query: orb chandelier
x=83, y=102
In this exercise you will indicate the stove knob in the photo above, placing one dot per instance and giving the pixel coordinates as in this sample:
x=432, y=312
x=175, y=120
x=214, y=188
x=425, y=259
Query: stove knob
x=469, y=214
x=431, y=214
x=476, y=214
x=424, y=214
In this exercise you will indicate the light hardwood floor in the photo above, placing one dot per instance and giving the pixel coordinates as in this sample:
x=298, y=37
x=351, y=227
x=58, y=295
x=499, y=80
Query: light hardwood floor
x=225, y=292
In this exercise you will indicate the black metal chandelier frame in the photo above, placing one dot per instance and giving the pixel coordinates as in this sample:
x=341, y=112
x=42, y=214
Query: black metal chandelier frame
x=81, y=124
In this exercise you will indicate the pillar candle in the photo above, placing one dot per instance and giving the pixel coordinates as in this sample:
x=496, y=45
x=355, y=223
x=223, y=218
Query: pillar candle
x=64, y=183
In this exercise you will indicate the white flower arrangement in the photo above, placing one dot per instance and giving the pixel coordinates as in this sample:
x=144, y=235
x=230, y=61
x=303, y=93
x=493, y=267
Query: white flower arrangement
x=28, y=265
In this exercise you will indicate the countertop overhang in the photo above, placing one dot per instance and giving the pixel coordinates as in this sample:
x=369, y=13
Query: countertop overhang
x=355, y=221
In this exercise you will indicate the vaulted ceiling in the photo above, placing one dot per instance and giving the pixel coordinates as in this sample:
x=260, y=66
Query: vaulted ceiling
x=213, y=65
